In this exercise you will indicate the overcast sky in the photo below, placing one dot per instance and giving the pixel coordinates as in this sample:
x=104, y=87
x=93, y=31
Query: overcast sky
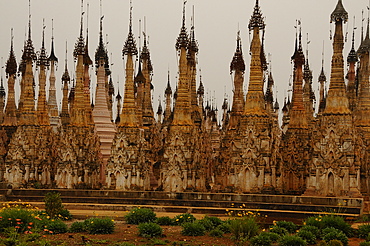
x=216, y=25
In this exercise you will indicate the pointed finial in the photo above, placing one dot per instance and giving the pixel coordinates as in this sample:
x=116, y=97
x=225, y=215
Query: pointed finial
x=183, y=13
x=130, y=28
x=42, y=57
x=130, y=44
x=101, y=11
x=256, y=20
x=29, y=19
x=322, y=55
x=65, y=77
x=52, y=56
x=80, y=45
x=352, y=56
x=101, y=50
x=339, y=13
x=237, y=62
x=168, y=90
x=11, y=64
x=182, y=39
x=307, y=43
x=298, y=56
x=82, y=7
x=29, y=51
x=66, y=54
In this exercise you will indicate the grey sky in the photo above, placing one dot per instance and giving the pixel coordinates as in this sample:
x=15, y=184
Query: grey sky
x=216, y=25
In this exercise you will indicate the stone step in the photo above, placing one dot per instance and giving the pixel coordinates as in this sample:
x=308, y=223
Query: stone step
x=83, y=210
x=195, y=204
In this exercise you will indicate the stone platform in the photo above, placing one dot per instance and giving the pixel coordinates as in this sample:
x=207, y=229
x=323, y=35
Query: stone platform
x=277, y=206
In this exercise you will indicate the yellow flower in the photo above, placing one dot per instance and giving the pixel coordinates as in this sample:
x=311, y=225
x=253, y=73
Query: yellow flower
x=113, y=220
x=92, y=222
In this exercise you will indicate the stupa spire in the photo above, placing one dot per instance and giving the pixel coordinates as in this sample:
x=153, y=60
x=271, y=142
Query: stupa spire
x=362, y=111
x=10, y=117
x=337, y=101
x=147, y=107
x=52, y=100
x=298, y=114
x=255, y=103
x=27, y=113
x=351, y=86
x=238, y=67
x=79, y=115
x=65, y=80
x=129, y=111
x=182, y=109
x=42, y=63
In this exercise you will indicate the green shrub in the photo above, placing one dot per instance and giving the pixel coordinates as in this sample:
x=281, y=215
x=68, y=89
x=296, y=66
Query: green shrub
x=77, y=227
x=288, y=225
x=164, y=221
x=150, y=229
x=224, y=226
x=273, y=236
x=244, y=228
x=279, y=230
x=21, y=219
x=313, y=229
x=363, y=230
x=214, y=220
x=308, y=236
x=322, y=243
x=261, y=240
x=64, y=214
x=183, y=218
x=53, y=204
x=216, y=233
x=192, y=229
x=292, y=240
x=140, y=215
x=365, y=243
x=332, y=233
x=99, y=225
x=32, y=237
x=55, y=227
x=210, y=223
x=335, y=242
x=315, y=221
x=326, y=221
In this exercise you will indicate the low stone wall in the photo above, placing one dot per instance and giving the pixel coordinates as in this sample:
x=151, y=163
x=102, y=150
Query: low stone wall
x=194, y=199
